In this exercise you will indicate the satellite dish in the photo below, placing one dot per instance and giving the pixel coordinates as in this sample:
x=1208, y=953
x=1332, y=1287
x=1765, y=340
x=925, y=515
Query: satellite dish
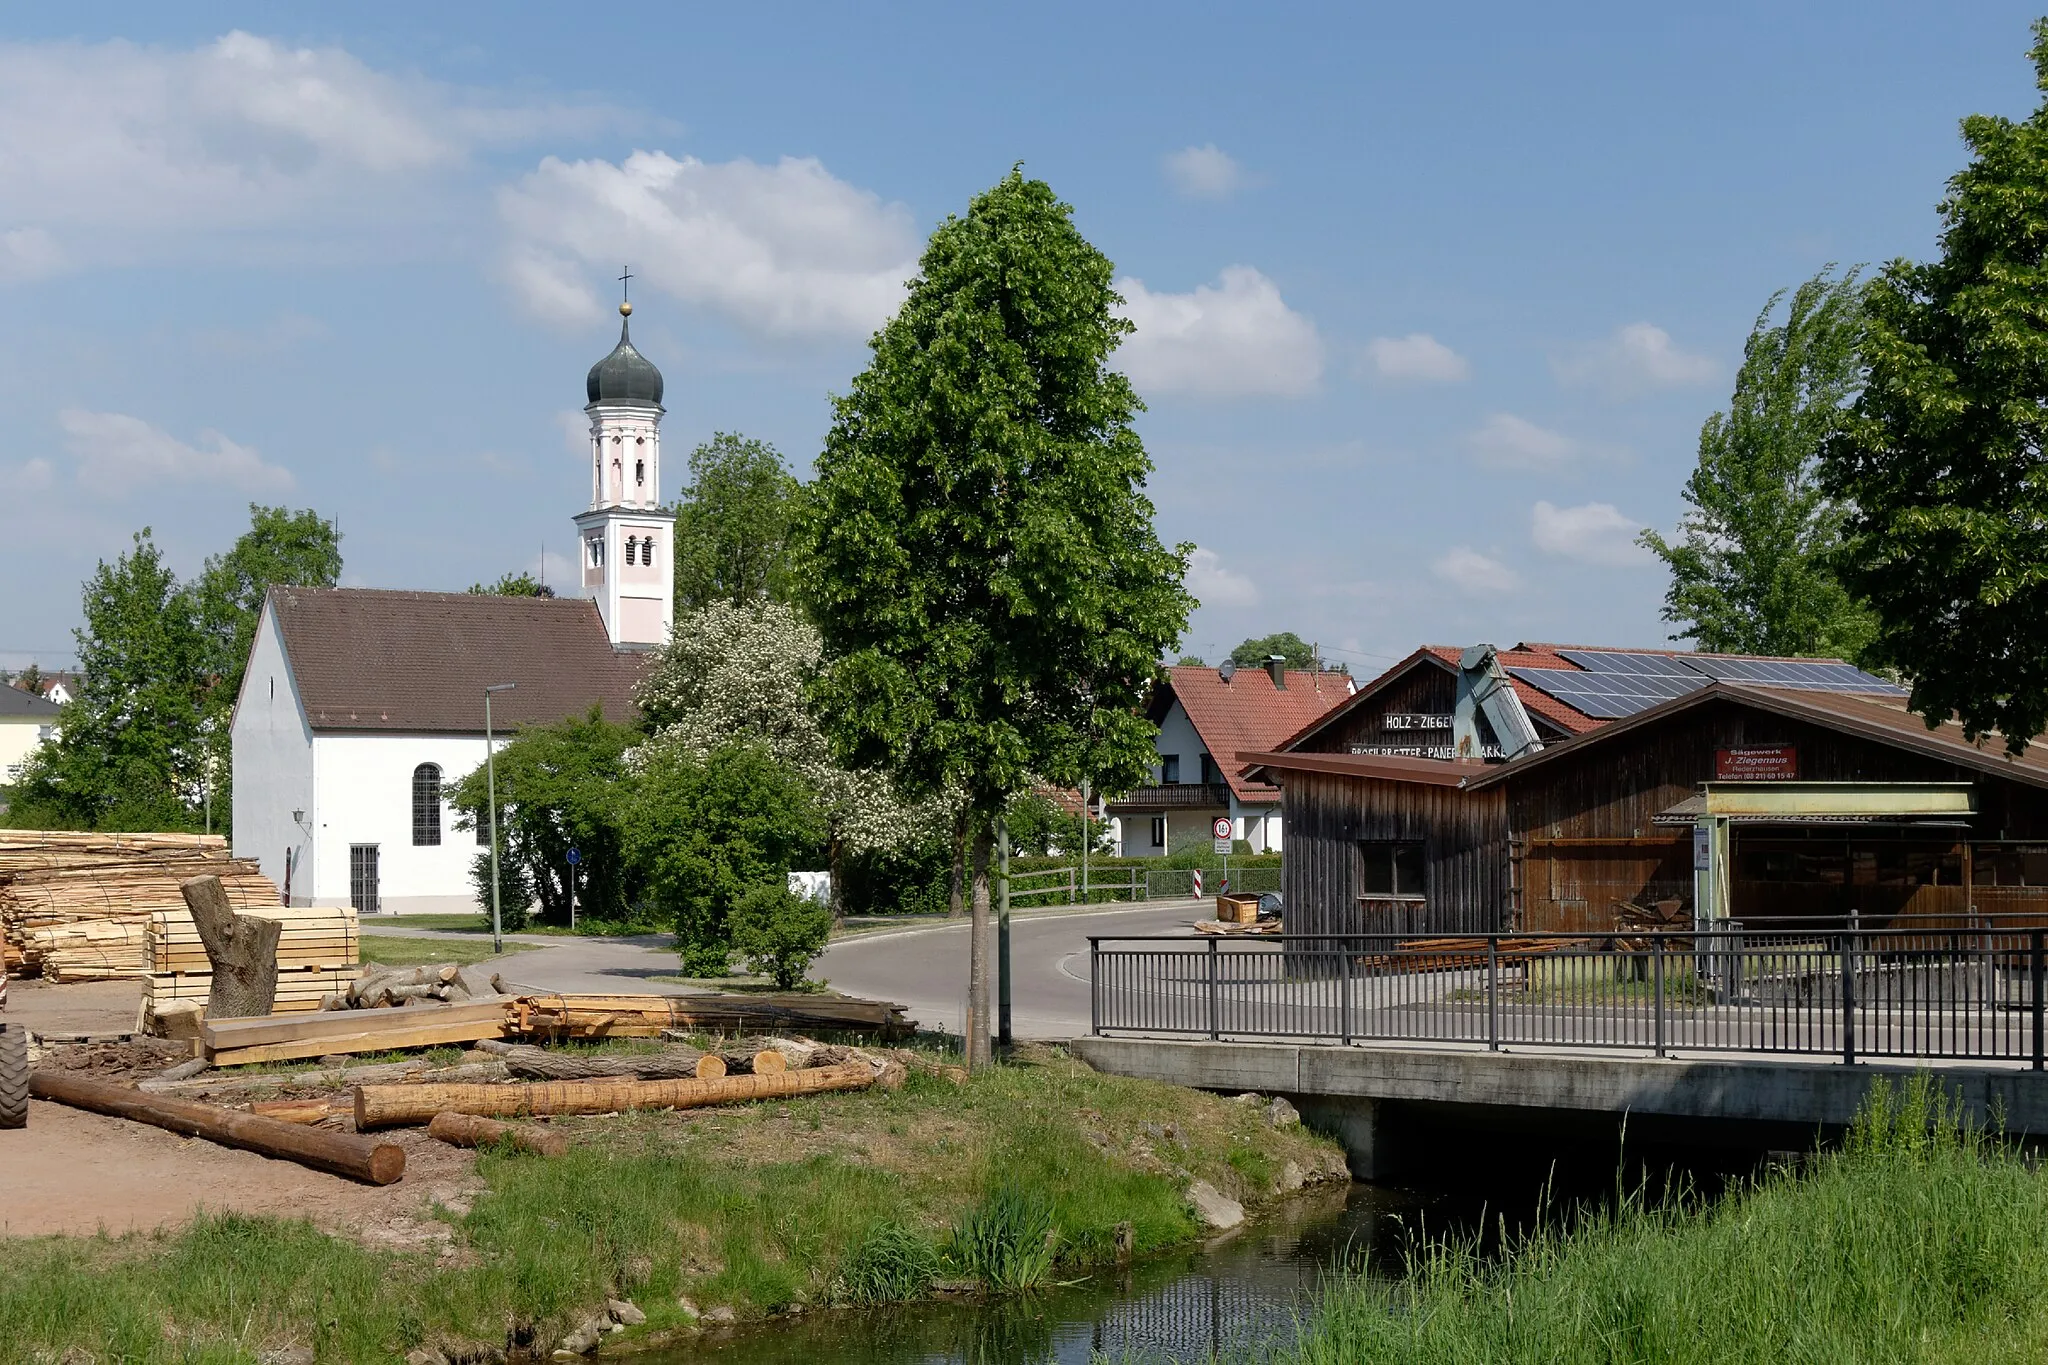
x=1227, y=671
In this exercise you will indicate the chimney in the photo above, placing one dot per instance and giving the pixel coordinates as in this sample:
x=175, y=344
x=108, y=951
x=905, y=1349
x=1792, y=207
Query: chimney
x=1276, y=665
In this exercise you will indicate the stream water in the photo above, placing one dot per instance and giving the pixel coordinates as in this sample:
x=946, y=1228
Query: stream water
x=1240, y=1295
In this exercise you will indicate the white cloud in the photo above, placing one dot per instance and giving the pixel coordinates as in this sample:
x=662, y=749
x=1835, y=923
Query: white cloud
x=116, y=453
x=1235, y=339
x=1215, y=586
x=1505, y=441
x=1472, y=572
x=31, y=476
x=782, y=250
x=1205, y=172
x=1592, y=533
x=1637, y=357
x=1416, y=358
x=120, y=152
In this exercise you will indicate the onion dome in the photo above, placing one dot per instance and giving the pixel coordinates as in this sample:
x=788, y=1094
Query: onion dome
x=624, y=376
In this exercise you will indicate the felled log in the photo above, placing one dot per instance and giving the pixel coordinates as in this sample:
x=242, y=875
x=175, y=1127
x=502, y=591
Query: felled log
x=304, y=1111
x=242, y=949
x=670, y=1064
x=801, y=1053
x=743, y=1062
x=467, y=1130
x=358, y=1158
x=385, y=1106
x=646, y=1016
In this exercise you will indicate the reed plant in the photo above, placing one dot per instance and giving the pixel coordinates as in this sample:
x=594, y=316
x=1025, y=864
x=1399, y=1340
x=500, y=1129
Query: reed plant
x=1008, y=1241
x=1919, y=1241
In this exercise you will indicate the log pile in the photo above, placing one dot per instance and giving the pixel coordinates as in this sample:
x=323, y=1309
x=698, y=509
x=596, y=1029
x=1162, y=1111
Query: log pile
x=317, y=956
x=76, y=906
x=649, y=1016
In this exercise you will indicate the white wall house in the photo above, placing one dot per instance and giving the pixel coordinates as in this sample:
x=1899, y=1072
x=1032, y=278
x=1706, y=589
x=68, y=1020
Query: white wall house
x=361, y=708
x=27, y=722
x=1206, y=719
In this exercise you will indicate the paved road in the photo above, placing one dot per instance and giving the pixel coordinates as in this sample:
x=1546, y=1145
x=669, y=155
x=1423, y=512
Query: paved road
x=925, y=969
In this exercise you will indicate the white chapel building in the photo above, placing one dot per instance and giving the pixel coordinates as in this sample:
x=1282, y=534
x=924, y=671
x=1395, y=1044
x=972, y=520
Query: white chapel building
x=360, y=707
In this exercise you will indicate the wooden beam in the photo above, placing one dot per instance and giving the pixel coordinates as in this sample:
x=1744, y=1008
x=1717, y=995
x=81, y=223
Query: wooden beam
x=358, y=1158
x=408, y=1028
x=290, y=1028
x=385, y=1106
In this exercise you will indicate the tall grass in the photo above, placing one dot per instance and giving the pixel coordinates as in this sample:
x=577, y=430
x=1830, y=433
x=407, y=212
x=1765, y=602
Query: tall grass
x=1008, y=1241
x=1920, y=1241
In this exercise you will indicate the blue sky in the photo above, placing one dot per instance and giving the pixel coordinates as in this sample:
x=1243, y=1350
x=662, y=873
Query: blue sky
x=1431, y=301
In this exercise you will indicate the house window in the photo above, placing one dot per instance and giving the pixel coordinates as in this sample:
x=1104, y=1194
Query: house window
x=1211, y=774
x=1159, y=831
x=426, y=805
x=1390, y=867
x=1169, y=770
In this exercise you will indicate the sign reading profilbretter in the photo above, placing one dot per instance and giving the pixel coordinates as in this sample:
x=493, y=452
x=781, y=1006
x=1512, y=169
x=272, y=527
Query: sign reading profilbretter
x=1757, y=763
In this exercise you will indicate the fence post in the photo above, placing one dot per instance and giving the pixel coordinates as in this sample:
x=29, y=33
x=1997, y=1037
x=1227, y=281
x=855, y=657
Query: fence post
x=1657, y=989
x=1849, y=993
x=1344, y=1001
x=1094, y=986
x=2034, y=987
x=1215, y=1005
x=1493, y=992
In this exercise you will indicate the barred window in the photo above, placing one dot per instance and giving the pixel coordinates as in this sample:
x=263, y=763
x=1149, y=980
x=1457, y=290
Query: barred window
x=647, y=552
x=426, y=804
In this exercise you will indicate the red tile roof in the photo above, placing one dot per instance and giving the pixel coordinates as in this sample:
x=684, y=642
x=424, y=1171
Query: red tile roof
x=1534, y=699
x=366, y=659
x=1250, y=715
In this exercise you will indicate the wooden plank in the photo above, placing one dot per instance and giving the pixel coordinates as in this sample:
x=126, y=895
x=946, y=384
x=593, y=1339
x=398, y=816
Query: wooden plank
x=429, y=1034
x=241, y=1033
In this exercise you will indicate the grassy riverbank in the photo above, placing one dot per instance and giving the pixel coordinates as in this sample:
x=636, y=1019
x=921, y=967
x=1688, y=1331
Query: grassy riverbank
x=1916, y=1243
x=840, y=1198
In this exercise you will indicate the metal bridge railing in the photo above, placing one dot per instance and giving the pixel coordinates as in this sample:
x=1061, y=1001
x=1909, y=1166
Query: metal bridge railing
x=1904, y=991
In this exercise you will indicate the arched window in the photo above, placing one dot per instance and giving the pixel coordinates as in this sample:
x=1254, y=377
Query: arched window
x=632, y=546
x=647, y=552
x=426, y=804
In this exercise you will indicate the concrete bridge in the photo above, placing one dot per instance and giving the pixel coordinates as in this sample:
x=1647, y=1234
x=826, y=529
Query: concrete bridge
x=1708, y=1038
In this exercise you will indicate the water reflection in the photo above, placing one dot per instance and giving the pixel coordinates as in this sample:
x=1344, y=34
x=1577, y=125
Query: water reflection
x=1240, y=1296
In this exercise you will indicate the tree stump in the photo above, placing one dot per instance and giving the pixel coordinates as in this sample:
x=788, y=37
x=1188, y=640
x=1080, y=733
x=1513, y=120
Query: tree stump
x=242, y=949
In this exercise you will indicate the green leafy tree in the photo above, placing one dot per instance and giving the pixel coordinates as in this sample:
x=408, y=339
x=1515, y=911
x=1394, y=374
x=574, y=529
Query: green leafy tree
x=1288, y=645
x=1943, y=465
x=737, y=671
x=30, y=679
x=281, y=548
x=705, y=831
x=560, y=786
x=131, y=750
x=979, y=551
x=733, y=524
x=780, y=933
x=1191, y=661
x=515, y=883
x=1040, y=825
x=513, y=585
x=1753, y=569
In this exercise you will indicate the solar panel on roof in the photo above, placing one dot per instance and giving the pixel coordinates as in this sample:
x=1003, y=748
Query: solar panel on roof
x=1813, y=675
x=1607, y=696
x=1624, y=661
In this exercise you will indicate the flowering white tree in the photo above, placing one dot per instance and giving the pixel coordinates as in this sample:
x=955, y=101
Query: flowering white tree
x=735, y=671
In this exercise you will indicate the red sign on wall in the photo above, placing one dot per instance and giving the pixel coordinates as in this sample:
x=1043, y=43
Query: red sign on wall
x=1757, y=763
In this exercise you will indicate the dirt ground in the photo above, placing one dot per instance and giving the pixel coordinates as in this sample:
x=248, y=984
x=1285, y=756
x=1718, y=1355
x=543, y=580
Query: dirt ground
x=76, y=1172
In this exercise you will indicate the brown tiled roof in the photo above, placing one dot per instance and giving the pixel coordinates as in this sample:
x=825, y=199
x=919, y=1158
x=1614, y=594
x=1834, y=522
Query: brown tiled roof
x=1249, y=715
x=367, y=659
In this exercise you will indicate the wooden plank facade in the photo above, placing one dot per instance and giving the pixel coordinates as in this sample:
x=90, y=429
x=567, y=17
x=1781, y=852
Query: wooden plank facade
x=1554, y=843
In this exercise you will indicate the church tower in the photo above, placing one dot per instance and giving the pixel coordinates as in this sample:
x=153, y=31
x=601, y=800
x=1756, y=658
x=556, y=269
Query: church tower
x=626, y=534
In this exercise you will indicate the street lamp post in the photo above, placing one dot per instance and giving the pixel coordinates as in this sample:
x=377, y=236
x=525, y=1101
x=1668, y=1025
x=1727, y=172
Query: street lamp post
x=491, y=795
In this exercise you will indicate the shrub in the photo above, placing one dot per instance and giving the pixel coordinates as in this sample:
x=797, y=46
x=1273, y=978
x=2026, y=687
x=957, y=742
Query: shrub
x=515, y=891
x=780, y=932
x=1008, y=1241
x=890, y=1264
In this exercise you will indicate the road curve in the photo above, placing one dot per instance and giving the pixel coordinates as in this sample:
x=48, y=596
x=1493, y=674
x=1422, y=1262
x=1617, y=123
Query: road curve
x=925, y=969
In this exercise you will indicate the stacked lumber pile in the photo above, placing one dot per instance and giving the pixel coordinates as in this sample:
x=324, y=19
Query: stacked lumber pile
x=318, y=952
x=288, y=1037
x=648, y=1016
x=76, y=906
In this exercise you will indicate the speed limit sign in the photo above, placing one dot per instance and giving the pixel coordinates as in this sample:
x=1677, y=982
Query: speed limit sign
x=1221, y=829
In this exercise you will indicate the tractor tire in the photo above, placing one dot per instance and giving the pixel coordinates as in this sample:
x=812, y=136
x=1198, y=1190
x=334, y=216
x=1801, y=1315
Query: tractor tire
x=13, y=1077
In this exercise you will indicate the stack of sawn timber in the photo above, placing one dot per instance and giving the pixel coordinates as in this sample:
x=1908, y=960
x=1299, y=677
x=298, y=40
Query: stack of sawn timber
x=649, y=1016
x=76, y=906
x=318, y=953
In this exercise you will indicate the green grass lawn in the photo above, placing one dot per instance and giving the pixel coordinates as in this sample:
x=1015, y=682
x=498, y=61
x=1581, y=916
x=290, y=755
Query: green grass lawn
x=391, y=951
x=842, y=1198
x=1917, y=1243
